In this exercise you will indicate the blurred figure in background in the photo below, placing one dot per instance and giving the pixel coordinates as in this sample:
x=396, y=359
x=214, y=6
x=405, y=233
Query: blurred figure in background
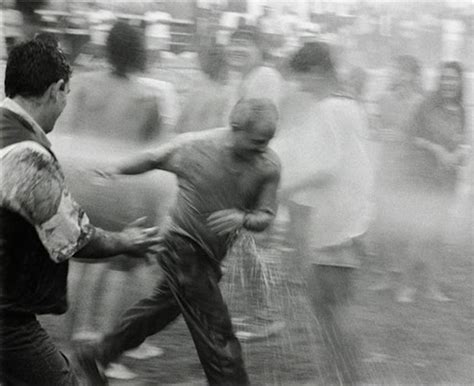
x=254, y=77
x=12, y=23
x=249, y=61
x=207, y=105
x=394, y=151
x=442, y=148
x=327, y=180
x=355, y=83
x=113, y=107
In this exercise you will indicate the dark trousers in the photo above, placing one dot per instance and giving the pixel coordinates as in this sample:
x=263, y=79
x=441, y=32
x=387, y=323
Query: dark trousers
x=190, y=287
x=29, y=357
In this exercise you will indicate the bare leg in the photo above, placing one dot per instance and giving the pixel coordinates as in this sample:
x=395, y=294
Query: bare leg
x=329, y=290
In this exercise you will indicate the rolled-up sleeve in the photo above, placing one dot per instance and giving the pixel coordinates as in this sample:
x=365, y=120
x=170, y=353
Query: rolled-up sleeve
x=33, y=185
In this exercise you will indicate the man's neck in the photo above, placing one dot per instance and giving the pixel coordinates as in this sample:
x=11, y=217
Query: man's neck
x=33, y=108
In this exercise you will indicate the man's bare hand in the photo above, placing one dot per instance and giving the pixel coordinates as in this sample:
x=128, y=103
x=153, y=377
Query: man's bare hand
x=226, y=221
x=138, y=240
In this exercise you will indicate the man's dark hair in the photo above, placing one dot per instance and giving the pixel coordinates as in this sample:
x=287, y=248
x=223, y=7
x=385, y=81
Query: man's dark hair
x=126, y=48
x=247, y=112
x=32, y=67
x=48, y=38
x=313, y=55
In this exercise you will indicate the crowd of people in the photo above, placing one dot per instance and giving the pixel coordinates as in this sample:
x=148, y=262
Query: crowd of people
x=257, y=132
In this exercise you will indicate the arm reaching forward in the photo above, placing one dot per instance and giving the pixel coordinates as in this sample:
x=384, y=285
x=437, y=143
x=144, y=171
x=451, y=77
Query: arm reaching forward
x=163, y=157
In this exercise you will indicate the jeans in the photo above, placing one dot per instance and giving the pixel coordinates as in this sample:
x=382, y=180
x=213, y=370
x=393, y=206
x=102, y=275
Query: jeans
x=190, y=287
x=29, y=357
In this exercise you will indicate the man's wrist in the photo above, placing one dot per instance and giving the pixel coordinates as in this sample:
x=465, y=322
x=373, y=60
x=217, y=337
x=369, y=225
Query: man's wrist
x=245, y=219
x=122, y=243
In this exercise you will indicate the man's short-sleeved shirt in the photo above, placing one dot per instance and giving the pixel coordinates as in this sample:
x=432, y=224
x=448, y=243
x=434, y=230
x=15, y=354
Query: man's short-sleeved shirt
x=210, y=179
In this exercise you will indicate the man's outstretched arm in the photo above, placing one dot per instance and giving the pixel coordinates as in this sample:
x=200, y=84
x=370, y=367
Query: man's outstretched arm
x=133, y=240
x=162, y=158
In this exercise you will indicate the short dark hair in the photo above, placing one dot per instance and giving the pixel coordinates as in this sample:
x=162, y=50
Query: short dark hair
x=126, y=48
x=32, y=67
x=47, y=38
x=313, y=55
x=247, y=112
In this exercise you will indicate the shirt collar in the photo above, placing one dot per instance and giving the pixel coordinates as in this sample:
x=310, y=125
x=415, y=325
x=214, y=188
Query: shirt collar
x=14, y=107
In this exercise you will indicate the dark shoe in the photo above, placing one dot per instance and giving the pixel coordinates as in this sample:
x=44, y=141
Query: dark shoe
x=90, y=366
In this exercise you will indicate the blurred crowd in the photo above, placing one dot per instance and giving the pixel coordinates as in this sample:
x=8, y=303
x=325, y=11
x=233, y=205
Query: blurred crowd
x=137, y=85
x=366, y=34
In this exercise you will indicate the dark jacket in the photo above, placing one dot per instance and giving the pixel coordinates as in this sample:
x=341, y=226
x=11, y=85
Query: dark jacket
x=30, y=281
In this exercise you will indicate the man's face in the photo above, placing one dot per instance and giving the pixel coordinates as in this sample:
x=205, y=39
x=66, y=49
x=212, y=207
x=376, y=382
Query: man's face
x=242, y=53
x=250, y=143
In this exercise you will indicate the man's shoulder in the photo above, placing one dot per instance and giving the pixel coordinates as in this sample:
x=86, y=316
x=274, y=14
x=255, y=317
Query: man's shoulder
x=271, y=163
x=26, y=150
x=28, y=158
x=210, y=137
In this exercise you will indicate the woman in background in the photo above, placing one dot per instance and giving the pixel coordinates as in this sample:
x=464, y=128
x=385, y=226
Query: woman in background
x=441, y=142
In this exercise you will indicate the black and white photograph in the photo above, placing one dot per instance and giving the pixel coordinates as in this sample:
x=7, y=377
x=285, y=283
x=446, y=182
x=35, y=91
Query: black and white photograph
x=236, y=192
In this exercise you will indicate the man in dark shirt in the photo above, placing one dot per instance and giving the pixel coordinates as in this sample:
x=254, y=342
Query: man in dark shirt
x=227, y=179
x=41, y=225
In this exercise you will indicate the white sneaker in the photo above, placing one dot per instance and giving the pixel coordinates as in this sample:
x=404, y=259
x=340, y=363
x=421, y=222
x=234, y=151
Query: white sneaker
x=144, y=351
x=436, y=294
x=119, y=371
x=257, y=332
x=406, y=295
x=86, y=335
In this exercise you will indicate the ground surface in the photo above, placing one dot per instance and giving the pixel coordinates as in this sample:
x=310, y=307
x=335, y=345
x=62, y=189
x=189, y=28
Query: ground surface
x=420, y=343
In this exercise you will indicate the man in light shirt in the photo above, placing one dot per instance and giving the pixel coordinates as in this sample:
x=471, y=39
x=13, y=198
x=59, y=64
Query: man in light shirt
x=327, y=180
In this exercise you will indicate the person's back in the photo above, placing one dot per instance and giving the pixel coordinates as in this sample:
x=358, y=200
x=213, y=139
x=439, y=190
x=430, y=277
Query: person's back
x=114, y=104
x=328, y=140
x=208, y=103
x=108, y=106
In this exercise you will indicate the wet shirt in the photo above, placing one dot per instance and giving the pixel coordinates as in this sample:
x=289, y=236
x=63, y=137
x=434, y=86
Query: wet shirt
x=211, y=178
